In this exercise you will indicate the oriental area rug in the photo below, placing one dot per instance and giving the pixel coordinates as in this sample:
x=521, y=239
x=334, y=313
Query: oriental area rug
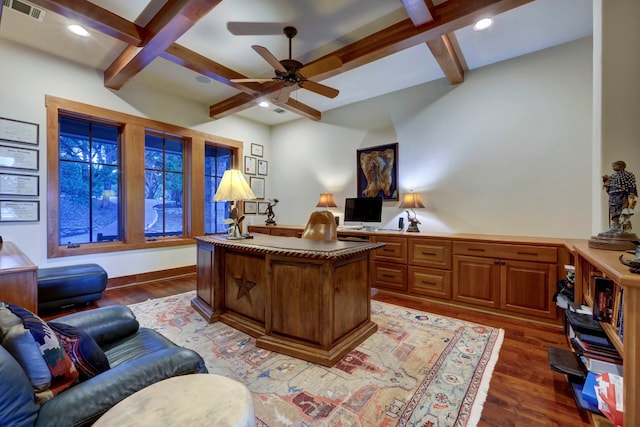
x=418, y=369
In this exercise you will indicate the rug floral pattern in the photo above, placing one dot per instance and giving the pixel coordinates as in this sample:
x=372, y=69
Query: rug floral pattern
x=419, y=369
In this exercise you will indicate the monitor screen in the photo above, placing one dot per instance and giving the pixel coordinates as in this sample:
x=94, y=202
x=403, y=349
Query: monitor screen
x=363, y=209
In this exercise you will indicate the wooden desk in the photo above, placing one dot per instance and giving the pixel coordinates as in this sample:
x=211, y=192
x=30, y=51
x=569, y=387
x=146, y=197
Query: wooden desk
x=18, y=278
x=305, y=298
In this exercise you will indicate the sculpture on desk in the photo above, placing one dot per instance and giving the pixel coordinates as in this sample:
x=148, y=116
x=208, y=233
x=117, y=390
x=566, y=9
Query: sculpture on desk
x=623, y=194
x=269, y=212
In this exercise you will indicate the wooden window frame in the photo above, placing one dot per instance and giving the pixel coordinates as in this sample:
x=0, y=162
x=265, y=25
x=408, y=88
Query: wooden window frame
x=132, y=168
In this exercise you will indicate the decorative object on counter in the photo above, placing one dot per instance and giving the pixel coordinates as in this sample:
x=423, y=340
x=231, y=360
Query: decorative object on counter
x=233, y=188
x=623, y=195
x=412, y=201
x=269, y=212
x=634, y=263
x=377, y=174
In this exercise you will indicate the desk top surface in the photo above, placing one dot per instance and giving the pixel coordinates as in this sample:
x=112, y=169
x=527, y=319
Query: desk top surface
x=292, y=246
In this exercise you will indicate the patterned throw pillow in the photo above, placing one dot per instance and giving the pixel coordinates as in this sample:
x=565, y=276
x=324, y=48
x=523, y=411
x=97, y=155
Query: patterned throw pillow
x=38, y=350
x=86, y=354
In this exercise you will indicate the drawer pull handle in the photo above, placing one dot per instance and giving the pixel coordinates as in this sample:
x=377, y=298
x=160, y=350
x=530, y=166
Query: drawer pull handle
x=475, y=249
x=528, y=253
x=428, y=283
x=388, y=276
x=429, y=253
x=387, y=250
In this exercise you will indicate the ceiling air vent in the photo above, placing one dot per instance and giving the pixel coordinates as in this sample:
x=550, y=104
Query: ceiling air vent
x=25, y=8
x=280, y=111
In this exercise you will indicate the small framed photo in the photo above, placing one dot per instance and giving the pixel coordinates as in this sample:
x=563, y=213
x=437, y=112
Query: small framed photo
x=250, y=208
x=257, y=150
x=249, y=165
x=257, y=186
x=262, y=208
x=18, y=158
x=263, y=167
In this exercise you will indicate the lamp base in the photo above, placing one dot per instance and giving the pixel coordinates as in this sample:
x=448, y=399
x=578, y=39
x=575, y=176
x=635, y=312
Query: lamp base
x=413, y=226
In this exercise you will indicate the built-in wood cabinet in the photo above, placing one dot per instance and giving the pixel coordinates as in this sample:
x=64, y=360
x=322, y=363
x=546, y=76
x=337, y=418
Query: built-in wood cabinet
x=504, y=275
x=515, y=278
x=272, y=230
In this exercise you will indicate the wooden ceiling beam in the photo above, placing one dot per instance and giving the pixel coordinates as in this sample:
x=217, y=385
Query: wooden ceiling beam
x=93, y=16
x=174, y=19
x=447, y=58
x=302, y=109
x=231, y=105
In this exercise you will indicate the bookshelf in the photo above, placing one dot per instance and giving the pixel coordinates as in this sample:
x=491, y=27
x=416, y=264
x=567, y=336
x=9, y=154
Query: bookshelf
x=597, y=262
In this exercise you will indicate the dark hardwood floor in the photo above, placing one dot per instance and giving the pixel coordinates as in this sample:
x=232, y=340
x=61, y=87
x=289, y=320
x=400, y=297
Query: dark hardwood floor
x=523, y=391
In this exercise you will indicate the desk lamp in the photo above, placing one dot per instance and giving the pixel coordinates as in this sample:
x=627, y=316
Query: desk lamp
x=327, y=201
x=412, y=201
x=233, y=188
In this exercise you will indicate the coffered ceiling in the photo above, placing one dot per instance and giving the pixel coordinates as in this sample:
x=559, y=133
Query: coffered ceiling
x=194, y=48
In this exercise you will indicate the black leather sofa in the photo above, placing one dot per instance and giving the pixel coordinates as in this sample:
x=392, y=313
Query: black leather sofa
x=137, y=357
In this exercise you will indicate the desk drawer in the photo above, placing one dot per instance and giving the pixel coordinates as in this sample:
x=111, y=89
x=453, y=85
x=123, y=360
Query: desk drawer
x=430, y=253
x=507, y=251
x=430, y=281
x=395, y=249
x=390, y=276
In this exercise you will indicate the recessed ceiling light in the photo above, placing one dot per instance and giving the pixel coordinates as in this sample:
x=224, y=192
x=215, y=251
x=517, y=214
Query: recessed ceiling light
x=264, y=104
x=483, y=24
x=203, y=79
x=78, y=30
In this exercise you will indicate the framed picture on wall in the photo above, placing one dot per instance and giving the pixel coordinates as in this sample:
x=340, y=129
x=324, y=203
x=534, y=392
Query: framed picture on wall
x=257, y=150
x=19, y=210
x=249, y=165
x=257, y=186
x=18, y=158
x=18, y=131
x=263, y=167
x=250, y=208
x=262, y=208
x=377, y=171
x=19, y=185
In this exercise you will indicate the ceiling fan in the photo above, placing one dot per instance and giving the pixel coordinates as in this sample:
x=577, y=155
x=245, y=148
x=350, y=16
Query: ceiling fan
x=292, y=73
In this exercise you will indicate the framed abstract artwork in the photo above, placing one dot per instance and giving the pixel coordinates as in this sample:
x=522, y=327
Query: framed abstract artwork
x=377, y=171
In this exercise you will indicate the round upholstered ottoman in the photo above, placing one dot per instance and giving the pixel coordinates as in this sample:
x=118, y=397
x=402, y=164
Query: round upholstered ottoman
x=188, y=400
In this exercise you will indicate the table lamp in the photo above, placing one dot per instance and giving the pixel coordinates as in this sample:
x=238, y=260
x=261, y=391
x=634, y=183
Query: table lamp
x=233, y=188
x=327, y=201
x=412, y=201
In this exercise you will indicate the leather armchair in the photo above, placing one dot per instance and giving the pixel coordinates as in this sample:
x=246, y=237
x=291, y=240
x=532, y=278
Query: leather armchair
x=138, y=357
x=321, y=226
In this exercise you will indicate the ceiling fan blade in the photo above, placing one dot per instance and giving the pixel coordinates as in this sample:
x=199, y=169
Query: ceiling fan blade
x=239, y=28
x=322, y=66
x=268, y=56
x=284, y=94
x=250, y=80
x=319, y=88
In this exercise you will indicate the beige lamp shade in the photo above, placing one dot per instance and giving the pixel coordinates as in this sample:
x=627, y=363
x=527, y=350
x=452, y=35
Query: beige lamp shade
x=326, y=201
x=233, y=187
x=411, y=201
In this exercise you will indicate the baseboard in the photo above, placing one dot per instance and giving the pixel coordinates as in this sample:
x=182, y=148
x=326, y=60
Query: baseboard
x=135, y=279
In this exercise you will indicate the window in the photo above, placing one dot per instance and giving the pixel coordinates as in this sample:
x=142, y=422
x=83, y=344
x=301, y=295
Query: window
x=118, y=182
x=89, y=179
x=163, y=186
x=216, y=161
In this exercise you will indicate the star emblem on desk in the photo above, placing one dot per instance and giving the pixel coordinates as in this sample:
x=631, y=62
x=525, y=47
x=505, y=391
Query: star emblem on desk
x=244, y=286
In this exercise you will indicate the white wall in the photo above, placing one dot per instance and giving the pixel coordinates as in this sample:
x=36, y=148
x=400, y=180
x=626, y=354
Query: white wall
x=507, y=152
x=23, y=86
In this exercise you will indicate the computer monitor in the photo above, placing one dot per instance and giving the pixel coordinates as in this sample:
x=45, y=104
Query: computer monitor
x=361, y=209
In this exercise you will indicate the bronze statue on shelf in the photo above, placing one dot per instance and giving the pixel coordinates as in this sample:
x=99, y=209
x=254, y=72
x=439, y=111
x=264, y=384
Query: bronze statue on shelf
x=623, y=195
x=634, y=263
x=269, y=212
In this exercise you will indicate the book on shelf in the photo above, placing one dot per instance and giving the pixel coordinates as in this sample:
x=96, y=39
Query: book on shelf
x=612, y=357
x=566, y=362
x=584, y=323
x=600, y=366
x=603, y=299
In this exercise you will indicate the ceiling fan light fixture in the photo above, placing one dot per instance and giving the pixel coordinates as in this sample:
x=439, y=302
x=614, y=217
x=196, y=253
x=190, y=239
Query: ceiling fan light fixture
x=483, y=24
x=78, y=30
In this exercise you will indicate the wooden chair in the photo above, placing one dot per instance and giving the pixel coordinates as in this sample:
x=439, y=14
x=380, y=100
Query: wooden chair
x=321, y=226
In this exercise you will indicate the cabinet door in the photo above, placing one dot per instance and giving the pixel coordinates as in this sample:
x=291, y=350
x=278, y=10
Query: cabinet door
x=286, y=232
x=528, y=288
x=476, y=280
